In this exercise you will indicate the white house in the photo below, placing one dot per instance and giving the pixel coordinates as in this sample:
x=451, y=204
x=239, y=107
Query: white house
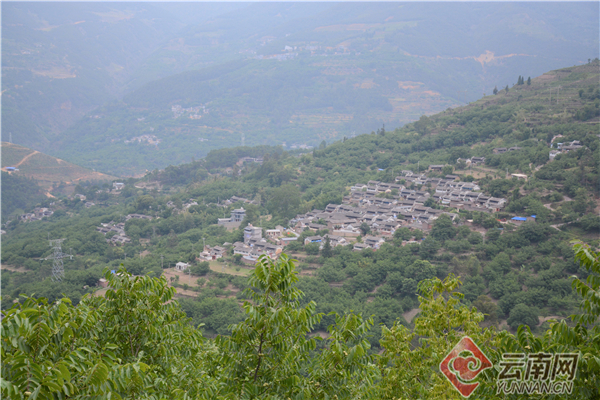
x=181, y=266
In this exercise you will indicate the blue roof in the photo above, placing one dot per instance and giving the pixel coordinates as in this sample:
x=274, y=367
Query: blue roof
x=379, y=169
x=533, y=216
x=113, y=271
x=519, y=219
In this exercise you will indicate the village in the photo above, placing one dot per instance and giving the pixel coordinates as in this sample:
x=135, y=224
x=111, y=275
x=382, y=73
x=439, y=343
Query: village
x=367, y=217
x=194, y=112
x=378, y=208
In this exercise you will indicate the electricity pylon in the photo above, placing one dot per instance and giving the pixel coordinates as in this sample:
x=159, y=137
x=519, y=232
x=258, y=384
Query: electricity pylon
x=58, y=270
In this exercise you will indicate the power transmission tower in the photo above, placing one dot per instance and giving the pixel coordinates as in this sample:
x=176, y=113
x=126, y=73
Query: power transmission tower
x=58, y=270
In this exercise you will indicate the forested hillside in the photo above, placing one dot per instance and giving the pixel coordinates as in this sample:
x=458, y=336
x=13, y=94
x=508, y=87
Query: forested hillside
x=343, y=319
x=19, y=193
x=517, y=273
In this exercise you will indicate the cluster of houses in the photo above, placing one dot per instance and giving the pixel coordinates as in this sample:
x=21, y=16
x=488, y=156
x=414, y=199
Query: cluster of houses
x=502, y=150
x=36, y=215
x=300, y=146
x=557, y=148
x=564, y=148
x=194, y=112
x=278, y=57
x=185, y=206
x=236, y=199
x=254, y=245
x=345, y=220
x=119, y=237
x=448, y=191
x=472, y=161
x=212, y=253
x=245, y=160
x=386, y=207
x=151, y=139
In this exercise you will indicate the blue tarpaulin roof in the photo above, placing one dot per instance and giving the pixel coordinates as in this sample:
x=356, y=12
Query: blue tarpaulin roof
x=519, y=219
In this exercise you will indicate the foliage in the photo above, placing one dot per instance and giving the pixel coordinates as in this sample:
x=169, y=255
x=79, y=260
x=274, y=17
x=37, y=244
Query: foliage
x=412, y=372
x=136, y=343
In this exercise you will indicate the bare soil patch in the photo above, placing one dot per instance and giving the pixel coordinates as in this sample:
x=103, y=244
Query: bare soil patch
x=14, y=269
x=409, y=315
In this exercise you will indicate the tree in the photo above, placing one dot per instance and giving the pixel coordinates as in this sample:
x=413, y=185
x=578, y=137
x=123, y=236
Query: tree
x=365, y=228
x=143, y=203
x=106, y=345
x=443, y=228
x=422, y=125
x=312, y=249
x=266, y=352
x=420, y=270
x=295, y=245
x=326, y=251
x=407, y=367
x=252, y=214
x=506, y=89
x=201, y=269
x=237, y=259
x=403, y=233
x=285, y=201
x=522, y=314
x=486, y=306
x=495, y=91
x=529, y=81
x=583, y=337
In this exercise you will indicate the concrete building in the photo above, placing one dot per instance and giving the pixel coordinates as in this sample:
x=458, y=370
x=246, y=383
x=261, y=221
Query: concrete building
x=252, y=233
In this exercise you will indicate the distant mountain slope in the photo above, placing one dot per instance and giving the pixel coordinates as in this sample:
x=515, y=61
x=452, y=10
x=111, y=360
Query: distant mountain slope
x=300, y=115
x=527, y=118
x=61, y=60
x=459, y=46
x=45, y=169
x=344, y=69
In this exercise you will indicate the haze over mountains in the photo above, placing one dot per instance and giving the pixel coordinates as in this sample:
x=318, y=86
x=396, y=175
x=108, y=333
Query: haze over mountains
x=99, y=83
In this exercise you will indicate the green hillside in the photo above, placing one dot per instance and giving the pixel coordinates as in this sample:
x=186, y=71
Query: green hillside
x=473, y=269
x=562, y=193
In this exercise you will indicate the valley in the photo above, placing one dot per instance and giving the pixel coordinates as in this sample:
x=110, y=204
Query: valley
x=300, y=200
